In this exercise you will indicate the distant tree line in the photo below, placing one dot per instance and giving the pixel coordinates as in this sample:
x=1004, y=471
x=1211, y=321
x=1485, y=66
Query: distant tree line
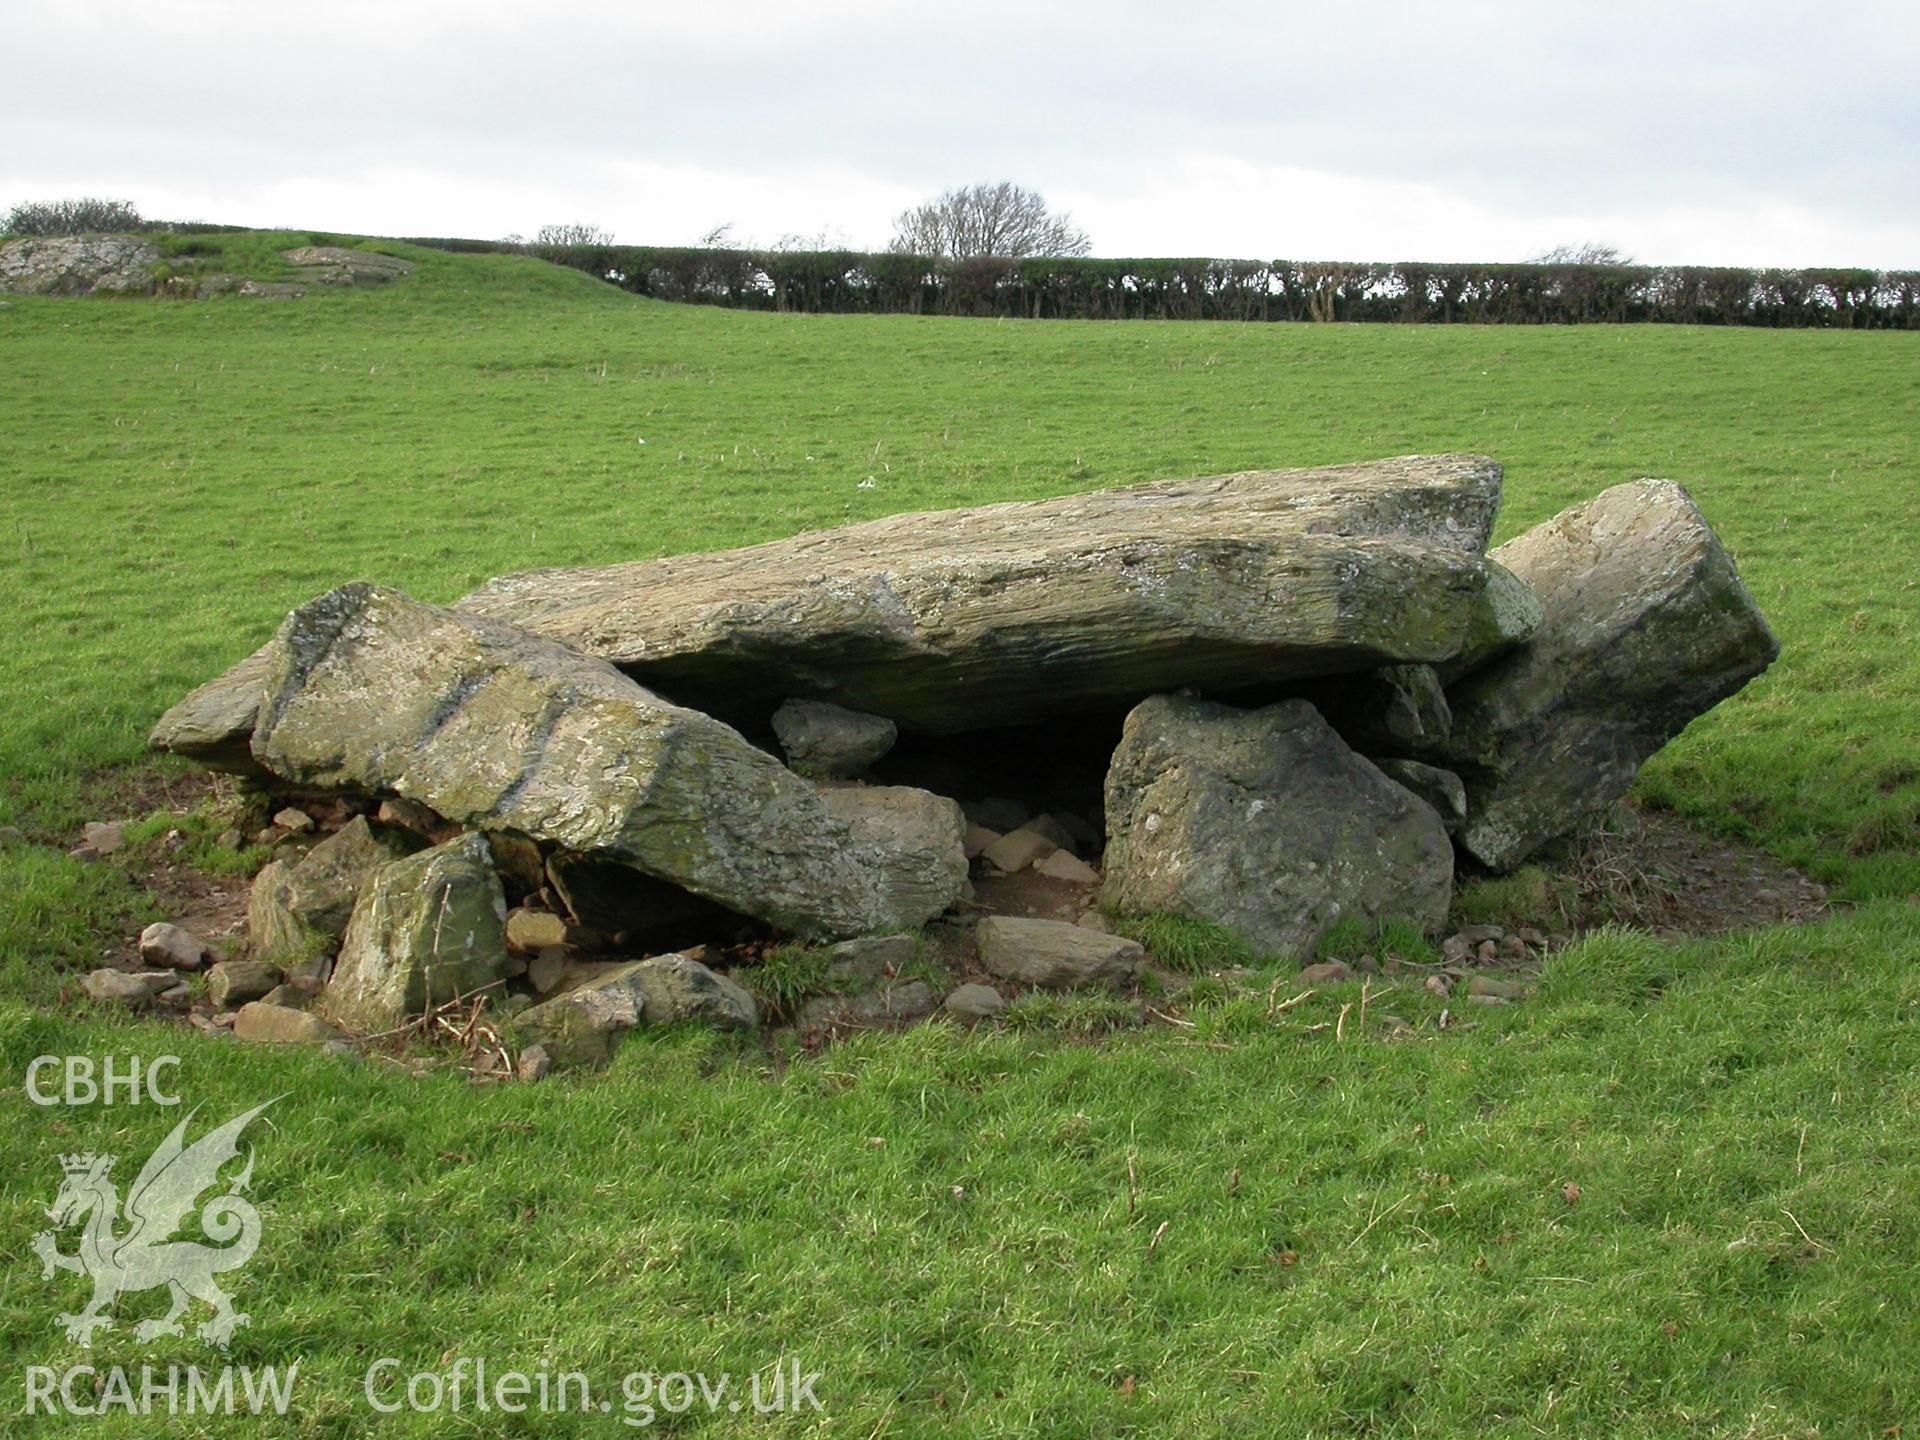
x=1548, y=292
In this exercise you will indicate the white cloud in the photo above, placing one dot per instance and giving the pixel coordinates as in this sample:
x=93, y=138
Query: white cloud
x=1384, y=129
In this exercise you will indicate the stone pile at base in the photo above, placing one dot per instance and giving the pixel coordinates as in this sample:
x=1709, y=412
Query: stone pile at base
x=1297, y=697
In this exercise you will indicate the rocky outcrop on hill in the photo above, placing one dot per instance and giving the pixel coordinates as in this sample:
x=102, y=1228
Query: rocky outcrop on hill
x=81, y=265
x=611, y=736
x=73, y=265
x=337, y=265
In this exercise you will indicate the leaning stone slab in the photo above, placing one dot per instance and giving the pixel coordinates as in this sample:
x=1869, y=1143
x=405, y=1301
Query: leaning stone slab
x=496, y=728
x=1645, y=625
x=586, y=1024
x=1053, y=955
x=1266, y=822
x=428, y=929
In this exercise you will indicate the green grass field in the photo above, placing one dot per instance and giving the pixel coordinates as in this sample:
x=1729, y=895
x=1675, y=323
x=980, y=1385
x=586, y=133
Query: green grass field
x=1321, y=1237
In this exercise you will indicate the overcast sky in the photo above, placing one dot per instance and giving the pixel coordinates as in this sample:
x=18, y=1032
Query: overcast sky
x=1758, y=132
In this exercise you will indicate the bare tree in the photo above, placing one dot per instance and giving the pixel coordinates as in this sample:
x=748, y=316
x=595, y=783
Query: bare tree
x=1590, y=253
x=560, y=235
x=720, y=237
x=1002, y=222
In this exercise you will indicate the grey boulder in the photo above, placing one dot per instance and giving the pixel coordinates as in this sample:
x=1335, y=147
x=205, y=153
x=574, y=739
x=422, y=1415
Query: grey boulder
x=427, y=930
x=1646, y=624
x=830, y=743
x=915, y=843
x=1265, y=821
x=1055, y=956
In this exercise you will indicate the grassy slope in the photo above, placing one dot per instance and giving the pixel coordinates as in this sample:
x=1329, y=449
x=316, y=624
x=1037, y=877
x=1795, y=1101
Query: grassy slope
x=177, y=475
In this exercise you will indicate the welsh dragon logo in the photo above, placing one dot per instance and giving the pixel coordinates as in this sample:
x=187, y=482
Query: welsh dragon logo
x=164, y=1196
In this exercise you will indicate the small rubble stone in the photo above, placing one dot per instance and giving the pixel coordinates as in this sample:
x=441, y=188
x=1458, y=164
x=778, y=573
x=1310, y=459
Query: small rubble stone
x=831, y=743
x=533, y=1064
x=976, y=839
x=1018, y=849
x=1063, y=865
x=128, y=989
x=1327, y=972
x=531, y=931
x=103, y=837
x=293, y=820
x=172, y=947
x=891, y=1004
x=549, y=969
x=1054, y=955
x=585, y=1025
x=233, y=983
x=1489, y=985
x=869, y=960
x=996, y=812
x=975, y=1002
x=269, y=1024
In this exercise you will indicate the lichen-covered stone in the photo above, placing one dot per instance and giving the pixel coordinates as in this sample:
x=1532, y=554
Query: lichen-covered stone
x=428, y=929
x=1645, y=625
x=78, y=265
x=970, y=619
x=1507, y=614
x=917, y=841
x=323, y=886
x=1266, y=822
x=496, y=728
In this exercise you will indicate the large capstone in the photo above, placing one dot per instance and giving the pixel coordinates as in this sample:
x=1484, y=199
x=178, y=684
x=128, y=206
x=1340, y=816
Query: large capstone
x=368, y=690
x=1266, y=822
x=1645, y=624
x=974, y=619
x=427, y=930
